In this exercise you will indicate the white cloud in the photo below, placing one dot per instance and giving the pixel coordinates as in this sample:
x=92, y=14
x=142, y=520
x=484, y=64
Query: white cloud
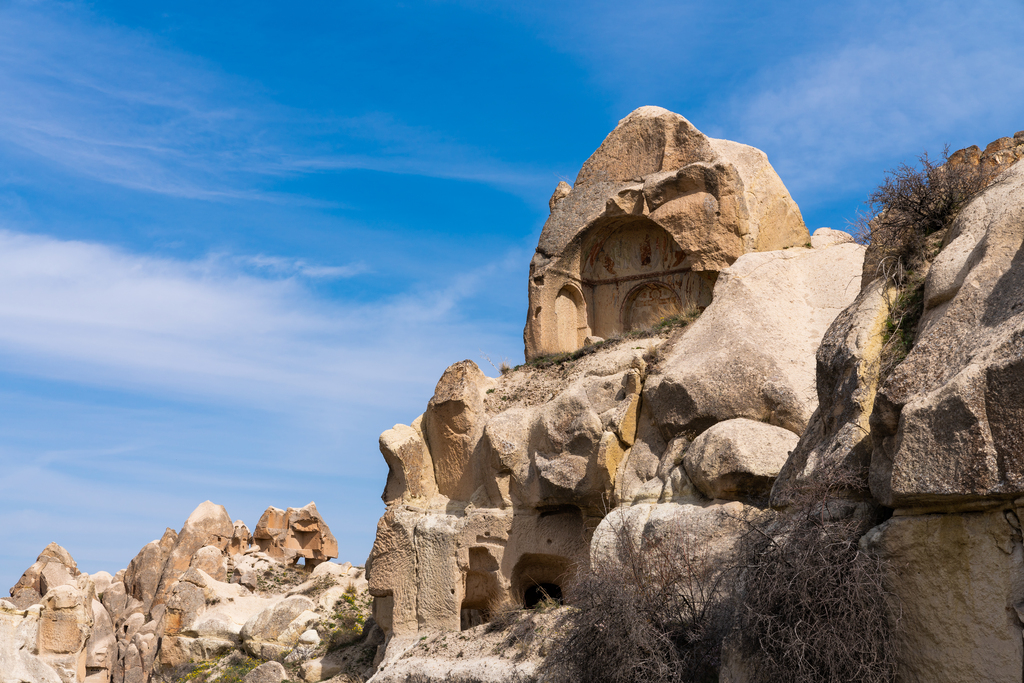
x=91, y=313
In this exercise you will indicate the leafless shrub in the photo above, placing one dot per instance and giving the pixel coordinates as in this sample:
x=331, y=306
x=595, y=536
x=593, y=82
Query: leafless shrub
x=817, y=608
x=913, y=202
x=658, y=614
x=906, y=218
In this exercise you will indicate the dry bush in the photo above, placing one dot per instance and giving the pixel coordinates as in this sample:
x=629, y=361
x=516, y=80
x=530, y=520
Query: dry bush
x=912, y=203
x=907, y=216
x=816, y=608
x=658, y=614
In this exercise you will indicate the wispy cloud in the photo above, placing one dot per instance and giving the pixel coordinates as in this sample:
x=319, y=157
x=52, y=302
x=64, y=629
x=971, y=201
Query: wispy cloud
x=211, y=327
x=943, y=76
x=282, y=266
x=118, y=106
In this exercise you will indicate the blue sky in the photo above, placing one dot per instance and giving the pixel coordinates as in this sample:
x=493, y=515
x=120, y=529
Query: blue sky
x=239, y=240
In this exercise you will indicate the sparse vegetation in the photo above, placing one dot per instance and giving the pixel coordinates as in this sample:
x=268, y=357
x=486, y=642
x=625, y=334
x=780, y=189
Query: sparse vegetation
x=228, y=669
x=658, y=614
x=345, y=626
x=906, y=219
x=660, y=328
x=816, y=607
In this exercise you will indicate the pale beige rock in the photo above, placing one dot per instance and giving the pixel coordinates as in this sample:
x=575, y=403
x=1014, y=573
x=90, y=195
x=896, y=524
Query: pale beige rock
x=946, y=424
x=115, y=600
x=274, y=622
x=738, y=459
x=837, y=442
x=823, y=238
x=18, y=660
x=65, y=624
x=268, y=672
x=709, y=532
x=655, y=213
x=142, y=577
x=452, y=426
x=209, y=524
x=958, y=578
x=751, y=353
x=101, y=648
x=211, y=560
x=410, y=470
x=101, y=580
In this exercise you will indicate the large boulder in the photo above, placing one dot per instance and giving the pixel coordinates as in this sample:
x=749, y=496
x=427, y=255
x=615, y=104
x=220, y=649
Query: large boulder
x=655, y=213
x=738, y=459
x=274, y=631
x=946, y=423
x=295, y=534
x=751, y=353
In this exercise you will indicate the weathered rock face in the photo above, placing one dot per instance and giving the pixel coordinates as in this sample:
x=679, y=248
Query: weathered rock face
x=498, y=488
x=838, y=436
x=294, y=534
x=947, y=423
x=751, y=353
x=655, y=214
x=958, y=577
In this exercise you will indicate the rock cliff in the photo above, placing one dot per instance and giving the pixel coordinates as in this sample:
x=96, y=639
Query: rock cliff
x=713, y=362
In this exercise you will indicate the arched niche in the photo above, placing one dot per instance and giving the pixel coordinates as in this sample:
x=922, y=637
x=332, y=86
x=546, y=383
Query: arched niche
x=570, y=319
x=539, y=574
x=633, y=274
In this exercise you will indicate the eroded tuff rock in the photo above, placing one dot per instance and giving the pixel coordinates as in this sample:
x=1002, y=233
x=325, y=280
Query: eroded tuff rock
x=655, y=214
x=294, y=534
x=948, y=423
x=497, y=489
x=231, y=597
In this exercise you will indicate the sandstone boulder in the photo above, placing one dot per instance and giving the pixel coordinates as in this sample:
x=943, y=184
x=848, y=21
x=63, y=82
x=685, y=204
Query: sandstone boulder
x=211, y=560
x=751, y=353
x=835, y=449
x=738, y=459
x=946, y=423
x=275, y=630
x=296, y=533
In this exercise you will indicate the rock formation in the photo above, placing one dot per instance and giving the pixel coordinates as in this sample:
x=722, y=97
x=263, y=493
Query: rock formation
x=656, y=213
x=193, y=596
x=505, y=487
